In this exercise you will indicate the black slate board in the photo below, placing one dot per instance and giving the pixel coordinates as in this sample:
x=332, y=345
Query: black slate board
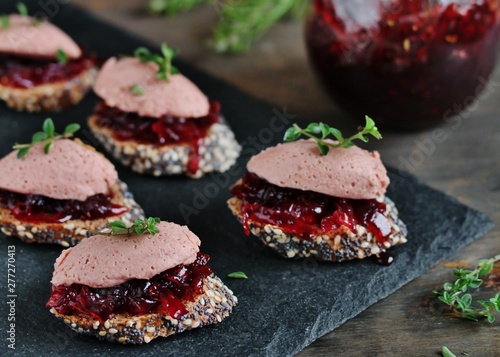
x=284, y=305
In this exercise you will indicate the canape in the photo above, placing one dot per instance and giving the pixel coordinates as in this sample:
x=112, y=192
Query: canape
x=41, y=67
x=61, y=193
x=158, y=122
x=133, y=288
x=331, y=207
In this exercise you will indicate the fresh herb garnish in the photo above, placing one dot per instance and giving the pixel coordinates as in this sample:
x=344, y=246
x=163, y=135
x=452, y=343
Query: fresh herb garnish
x=22, y=9
x=61, y=56
x=313, y=129
x=460, y=302
x=140, y=226
x=4, y=19
x=46, y=137
x=237, y=275
x=164, y=61
x=446, y=352
x=241, y=22
x=136, y=89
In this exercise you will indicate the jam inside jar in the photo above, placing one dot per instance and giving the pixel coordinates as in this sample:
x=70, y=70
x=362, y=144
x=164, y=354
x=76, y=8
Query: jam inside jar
x=409, y=64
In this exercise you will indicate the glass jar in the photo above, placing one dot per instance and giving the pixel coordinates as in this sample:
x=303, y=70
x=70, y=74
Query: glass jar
x=408, y=64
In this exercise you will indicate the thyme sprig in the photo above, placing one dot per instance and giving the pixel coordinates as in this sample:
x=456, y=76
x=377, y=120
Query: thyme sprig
x=455, y=294
x=140, y=226
x=241, y=22
x=164, y=61
x=325, y=131
x=46, y=137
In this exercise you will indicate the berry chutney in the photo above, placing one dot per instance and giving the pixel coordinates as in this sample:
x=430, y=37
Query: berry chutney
x=409, y=64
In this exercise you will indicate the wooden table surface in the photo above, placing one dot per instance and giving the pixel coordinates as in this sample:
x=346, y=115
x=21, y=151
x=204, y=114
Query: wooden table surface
x=466, y=166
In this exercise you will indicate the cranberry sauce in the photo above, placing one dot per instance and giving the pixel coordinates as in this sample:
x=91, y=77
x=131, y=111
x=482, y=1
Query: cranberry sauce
x=41, y=209
x=163, y=293
x=26, y=72
x=407, y=63
x=166, y=130
x=306, y=213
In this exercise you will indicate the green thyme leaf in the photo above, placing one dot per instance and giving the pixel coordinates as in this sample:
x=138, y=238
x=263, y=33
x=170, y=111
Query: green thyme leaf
x=337, y=134
x=136, y=89
x=22, y=9
x=71, y=128
x=4, y=19
x=47, y=146
x=151, y=225
x=446, y=352
x=61, y=56
x=46, y=137
x=22, y=152
x=138, y=228
x=324, y=130
x=49, y=128
x=313, y=128
x=117, y=227
x=371, y=128
x=323, y=149
x=142, y=53
x=38, y=137
x=292, y=134
x=167, y=51
x=237, y=275
x=486, y=266
x=475, y=283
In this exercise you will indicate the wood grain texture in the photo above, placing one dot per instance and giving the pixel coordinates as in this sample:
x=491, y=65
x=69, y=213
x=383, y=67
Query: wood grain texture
x=465, y=165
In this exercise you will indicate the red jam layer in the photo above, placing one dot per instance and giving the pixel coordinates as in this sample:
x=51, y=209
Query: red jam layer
x=305, y=213
x=26, y=72
x=41, y=209
x=166, y=130
x=408, y=63
x=164, y=293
